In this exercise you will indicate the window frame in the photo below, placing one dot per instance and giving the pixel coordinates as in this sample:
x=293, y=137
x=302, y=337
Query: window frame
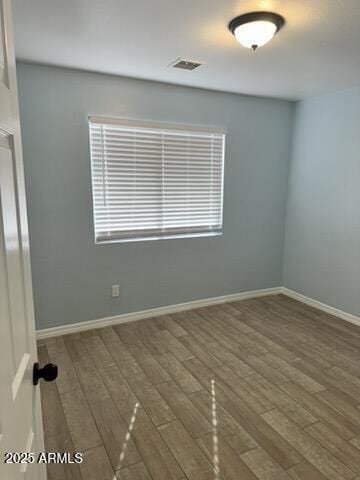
x=169, y=127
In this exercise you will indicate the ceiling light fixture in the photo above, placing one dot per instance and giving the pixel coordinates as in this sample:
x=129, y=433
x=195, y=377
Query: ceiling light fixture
x=255, y=29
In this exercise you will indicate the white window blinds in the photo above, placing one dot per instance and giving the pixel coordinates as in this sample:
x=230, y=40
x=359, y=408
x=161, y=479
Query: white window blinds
x=155, y=180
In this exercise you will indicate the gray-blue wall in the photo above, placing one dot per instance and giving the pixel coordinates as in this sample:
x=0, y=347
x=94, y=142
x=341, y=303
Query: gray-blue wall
x=72, y=276
x=322, y=248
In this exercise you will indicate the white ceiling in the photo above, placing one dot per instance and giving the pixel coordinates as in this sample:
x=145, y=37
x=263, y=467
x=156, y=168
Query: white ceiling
x=317, y=51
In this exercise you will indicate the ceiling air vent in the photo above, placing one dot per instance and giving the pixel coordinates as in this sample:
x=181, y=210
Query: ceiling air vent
x=185, y=64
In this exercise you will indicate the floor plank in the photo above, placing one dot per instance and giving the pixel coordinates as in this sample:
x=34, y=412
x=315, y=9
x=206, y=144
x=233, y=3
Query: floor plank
x=169, y=323
x=230, y=464
x=284, y=402
x=185, y=450
x=267, y=437
x=149, y=364
x=344, y=451
x=263, y=465
x=59, y=355
x=192, y=419
x=83, y=430
x=62, y=471
x=96, y=465
x=114, y=432
x=153, y=403
x=118, y=388
x=181, y=376
x=305, y=471
x=323, y=460
x=134, y=472
x=154, y=451
x=322, y=410
x=235, y=435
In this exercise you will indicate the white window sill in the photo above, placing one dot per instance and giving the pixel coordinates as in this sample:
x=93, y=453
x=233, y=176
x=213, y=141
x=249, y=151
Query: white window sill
x=161, y=237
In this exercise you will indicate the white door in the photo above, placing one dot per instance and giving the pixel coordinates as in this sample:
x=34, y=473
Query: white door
x=20, y=410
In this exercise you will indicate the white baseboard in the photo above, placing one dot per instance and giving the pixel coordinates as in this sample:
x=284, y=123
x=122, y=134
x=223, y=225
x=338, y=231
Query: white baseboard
x=153, y=312
x=349, y=317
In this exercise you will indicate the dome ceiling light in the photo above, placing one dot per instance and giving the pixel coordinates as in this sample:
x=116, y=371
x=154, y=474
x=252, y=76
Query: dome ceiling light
x=255, y=29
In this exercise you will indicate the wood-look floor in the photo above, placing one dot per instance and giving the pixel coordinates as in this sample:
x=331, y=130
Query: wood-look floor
x=265, y=389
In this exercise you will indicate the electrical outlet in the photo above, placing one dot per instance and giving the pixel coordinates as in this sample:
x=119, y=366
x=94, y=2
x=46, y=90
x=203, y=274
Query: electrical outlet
x=115, y=291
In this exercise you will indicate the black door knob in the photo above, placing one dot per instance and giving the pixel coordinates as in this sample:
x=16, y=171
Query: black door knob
x=48, y=372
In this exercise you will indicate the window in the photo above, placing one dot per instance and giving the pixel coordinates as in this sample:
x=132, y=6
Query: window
x=155, y=180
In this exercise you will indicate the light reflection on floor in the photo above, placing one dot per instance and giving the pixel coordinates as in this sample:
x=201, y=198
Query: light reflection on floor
x=127, y=436
x=214, y=422
x=216, y=462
